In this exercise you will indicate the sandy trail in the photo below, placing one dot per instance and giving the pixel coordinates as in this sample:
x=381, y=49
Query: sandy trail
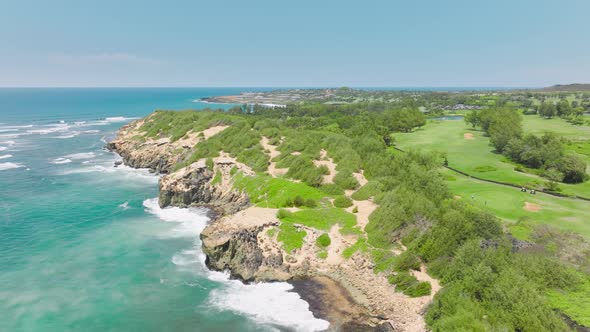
x=336, y=247
x=365, y=208
x=328, y=162
x=422, y=275
x=273, y=170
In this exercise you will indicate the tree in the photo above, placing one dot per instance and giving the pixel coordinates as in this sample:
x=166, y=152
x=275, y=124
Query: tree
x=573, y=169
x=504, y=126
x=563, y=108
x=472, y=118
x=547, y=110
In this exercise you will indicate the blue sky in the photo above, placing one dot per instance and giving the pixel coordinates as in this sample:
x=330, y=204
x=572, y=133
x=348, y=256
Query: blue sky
x=294, y=43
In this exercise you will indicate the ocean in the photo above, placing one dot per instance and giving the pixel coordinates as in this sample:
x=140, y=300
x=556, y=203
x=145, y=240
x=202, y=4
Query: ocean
x=84, y=246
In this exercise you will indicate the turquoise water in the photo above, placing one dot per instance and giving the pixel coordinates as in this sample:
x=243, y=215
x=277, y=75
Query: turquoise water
x=85, y=247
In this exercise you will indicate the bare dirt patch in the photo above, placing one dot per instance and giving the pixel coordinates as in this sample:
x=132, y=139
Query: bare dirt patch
x=328, y=162
x=365, y=208
x=273, y=170
x=211, y=131
x=531, y=207
x=468, y=136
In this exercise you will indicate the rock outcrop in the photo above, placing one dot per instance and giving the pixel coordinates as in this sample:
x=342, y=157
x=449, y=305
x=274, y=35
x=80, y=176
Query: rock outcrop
x=198, y=185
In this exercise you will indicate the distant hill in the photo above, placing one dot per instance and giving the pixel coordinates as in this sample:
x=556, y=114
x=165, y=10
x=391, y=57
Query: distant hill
x=567, y=87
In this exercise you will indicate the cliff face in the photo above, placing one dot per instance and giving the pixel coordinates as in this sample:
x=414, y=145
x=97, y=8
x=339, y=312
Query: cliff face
x=194, y=185
x=198, y=185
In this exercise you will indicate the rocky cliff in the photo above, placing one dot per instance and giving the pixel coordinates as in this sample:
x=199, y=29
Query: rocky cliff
x=243, y=239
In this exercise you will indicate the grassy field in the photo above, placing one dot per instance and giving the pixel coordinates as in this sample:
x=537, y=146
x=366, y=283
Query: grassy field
x=538, y=125
x=469, y=150
x=266, y=191
x=508, y=203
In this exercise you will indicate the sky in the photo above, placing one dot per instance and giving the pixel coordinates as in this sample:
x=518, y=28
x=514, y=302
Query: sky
x=432, y=43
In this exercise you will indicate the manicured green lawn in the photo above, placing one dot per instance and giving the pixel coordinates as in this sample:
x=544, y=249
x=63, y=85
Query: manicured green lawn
x=508, y=203
x=538, y=125
x=476, y=157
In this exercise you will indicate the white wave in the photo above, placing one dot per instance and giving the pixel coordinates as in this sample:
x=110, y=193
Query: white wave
x=190, y=221
x=82, y=155
x=91, y=131
x=8, y=142
x=5, y=166
x=124, y=206
x=69, y=135
x=13, y=135
x=16, y=127
x=3, y=148
x=60, y=160
x=265, y=303
x=6, y=156
x=49, y=129
x=92, y=169
x=118, y=119
x=7, y=130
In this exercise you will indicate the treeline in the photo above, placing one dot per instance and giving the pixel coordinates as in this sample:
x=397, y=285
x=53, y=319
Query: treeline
x=573, y=112
x=545, y=153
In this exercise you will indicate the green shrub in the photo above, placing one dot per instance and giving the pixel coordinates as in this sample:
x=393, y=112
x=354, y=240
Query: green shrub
x=282, y=213
x=323, y=240
x=421, y=288
x=323, y=254
x=217, y=178
x=345, y=180
x=372, y=188
x=342, y=202
x=408, y=284
x=355, y=209
x=209, y=163
x=406, y=261
x=332, y=189
x=298, y=201
x=291, y=237
x=311, y=203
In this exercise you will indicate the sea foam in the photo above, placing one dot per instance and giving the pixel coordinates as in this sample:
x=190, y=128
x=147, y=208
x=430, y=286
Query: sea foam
x=6, y=166
x=6, y=156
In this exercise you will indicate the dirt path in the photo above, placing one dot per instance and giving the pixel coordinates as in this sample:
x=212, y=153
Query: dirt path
x=273, y=170
x=328, y=162
x=365, y=208
x=336, y=247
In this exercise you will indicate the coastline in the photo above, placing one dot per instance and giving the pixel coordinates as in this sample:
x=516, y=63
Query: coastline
x=346, y=293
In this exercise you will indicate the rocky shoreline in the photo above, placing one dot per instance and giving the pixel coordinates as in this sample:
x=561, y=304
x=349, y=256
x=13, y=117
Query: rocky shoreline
x=238, y=239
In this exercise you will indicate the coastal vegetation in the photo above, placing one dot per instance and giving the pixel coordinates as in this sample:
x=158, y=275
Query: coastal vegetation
x=446, y=202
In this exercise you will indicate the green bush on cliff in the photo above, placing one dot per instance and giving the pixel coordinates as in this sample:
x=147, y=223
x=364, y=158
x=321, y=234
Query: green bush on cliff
x=407, y=260
x=323, y=240
x=409, y=285
x=290, y=236
x=342, y=202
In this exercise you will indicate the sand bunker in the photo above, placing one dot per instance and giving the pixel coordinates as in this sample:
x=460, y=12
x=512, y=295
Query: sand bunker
x=531, y=207
x=468, y=136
